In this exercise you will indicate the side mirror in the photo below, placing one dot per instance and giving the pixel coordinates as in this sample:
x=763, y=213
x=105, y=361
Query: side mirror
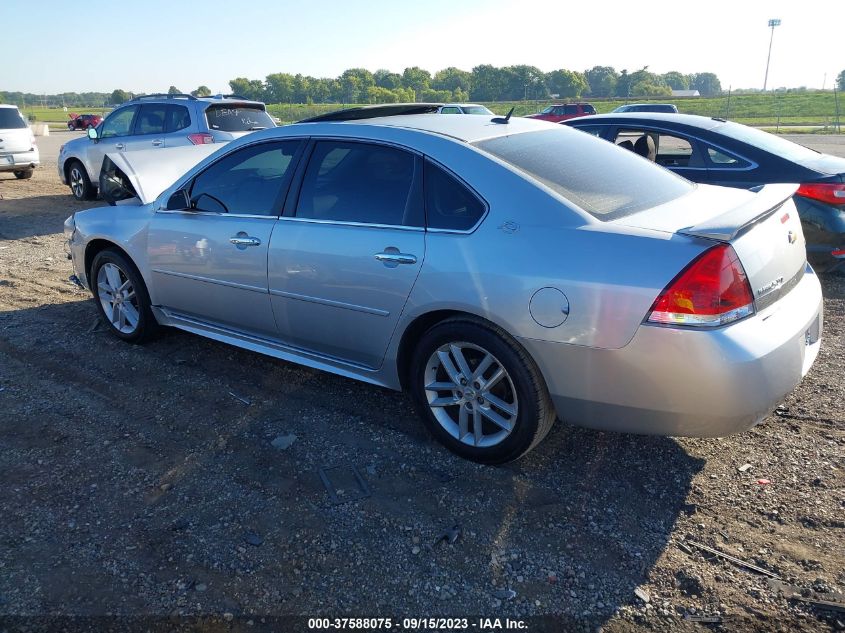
x=92, y=133
x=179, y=201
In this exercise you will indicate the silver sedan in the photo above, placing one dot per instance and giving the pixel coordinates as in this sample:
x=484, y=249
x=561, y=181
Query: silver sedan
x=506, y=272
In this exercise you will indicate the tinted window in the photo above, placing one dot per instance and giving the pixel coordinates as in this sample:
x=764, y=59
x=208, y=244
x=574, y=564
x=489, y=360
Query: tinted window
x=357, y=182
x=448, y=203
x=118, y=123
x=589, y=109
x=605, y=181
x=178, y=118
x=450, y=110
x=476, y=109
x=723, y=159
x=570, y=109
x=768, y=142
x=11, y=119
x=247, y=181
x=151, y=119
x=237, y=118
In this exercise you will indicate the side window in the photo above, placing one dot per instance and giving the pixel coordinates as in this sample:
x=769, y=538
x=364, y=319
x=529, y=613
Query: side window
x=247, y=181
x=359, y=182
x=595, y=130
x=724, y=160
x=178, y=118
x=450, y=110
x=570, y=109
x=118, y=123
x=588, y=109
x=559, y=111
x=674, y=151
x=448, y=203
x=151, y=119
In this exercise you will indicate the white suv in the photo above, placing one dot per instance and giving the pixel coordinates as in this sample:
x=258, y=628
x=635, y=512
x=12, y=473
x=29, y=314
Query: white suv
x=18, y=151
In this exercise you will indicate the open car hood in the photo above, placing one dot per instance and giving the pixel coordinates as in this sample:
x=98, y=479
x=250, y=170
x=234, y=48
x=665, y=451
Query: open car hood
x=144, y=174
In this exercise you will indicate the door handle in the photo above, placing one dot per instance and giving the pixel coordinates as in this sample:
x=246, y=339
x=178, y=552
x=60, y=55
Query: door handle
x=244, y=240
x=395, y=258
x=158, y=142
x=120, y=146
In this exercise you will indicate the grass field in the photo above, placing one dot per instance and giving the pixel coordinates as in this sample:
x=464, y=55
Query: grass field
x=807, y=110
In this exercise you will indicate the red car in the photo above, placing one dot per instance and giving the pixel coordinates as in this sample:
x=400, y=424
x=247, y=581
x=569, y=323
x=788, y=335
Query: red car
x=83, y=121
x=563, y=111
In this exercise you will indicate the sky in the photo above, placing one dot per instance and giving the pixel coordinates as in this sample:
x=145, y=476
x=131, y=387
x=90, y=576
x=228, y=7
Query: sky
x=149, y=45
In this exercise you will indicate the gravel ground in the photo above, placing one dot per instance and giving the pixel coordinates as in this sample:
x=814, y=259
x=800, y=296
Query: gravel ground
x=182, y=478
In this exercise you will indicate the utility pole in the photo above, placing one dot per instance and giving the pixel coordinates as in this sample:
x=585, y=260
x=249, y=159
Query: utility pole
x=772, y=24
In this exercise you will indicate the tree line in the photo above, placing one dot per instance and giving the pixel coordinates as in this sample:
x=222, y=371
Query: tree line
x=482, y=83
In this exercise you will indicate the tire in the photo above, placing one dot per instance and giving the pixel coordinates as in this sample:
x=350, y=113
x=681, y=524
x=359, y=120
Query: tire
x=128, y=317
x=23, y=174
x=514, y=409
x=80, y=184
x=71, y=127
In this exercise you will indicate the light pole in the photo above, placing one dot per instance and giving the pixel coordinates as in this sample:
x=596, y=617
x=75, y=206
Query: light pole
x=772, y=24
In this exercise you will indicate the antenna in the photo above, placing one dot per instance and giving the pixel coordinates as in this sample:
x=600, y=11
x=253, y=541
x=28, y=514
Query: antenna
x=505, y=120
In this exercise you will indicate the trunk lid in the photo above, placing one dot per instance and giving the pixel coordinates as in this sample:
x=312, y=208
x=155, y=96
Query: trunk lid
x=762, y=226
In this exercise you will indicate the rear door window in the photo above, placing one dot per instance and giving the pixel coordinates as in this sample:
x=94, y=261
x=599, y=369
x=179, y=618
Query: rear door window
x=361, y=183
x=570, y=109
x=598, y=178
x=237, y=117
x=151, y=119
x=178, y=118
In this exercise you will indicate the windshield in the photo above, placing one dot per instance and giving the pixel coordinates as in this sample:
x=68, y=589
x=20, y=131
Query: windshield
x=767, y=142
x=11, y=119
x=547, y=110
x=606, y=181
x=237, y=117
x=476, y=109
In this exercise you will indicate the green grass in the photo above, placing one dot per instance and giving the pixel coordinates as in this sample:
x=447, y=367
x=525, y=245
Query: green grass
x=769, y=110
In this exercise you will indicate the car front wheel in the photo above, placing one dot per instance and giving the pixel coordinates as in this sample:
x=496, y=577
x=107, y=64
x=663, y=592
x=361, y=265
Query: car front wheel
x=80, y=184
x=121, y=297
x=478, y=391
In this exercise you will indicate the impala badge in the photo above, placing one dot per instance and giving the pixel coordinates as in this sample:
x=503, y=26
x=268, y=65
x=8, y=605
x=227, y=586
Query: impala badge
x=769, y=287
x=792, y=237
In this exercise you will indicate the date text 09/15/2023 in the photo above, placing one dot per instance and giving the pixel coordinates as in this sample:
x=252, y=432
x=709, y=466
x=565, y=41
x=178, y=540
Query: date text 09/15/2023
x=418, y=624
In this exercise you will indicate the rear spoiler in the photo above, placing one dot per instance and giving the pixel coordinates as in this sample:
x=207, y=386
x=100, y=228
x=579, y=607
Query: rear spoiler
x=725, y=227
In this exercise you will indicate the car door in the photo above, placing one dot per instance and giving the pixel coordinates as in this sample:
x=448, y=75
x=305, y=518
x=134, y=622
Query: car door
x=148, y=131
x=111, y=137
x=209, y=258
x=344, y=259
x=178, y=126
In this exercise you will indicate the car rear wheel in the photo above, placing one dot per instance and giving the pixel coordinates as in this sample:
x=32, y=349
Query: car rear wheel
x=80, y=185
x=23, y=174
x=121, y=297
x=478, y=391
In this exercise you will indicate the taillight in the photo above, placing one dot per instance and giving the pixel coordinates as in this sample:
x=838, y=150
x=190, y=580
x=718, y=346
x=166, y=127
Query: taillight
x=829, y=192
x=201, y=138
x=713, y=290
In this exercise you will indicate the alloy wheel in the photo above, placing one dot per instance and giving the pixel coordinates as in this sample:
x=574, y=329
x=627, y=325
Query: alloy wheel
x=471, y=394
x=118, y=299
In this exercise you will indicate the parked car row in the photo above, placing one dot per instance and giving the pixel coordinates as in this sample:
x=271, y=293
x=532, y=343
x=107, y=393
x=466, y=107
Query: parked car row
x=505, y=271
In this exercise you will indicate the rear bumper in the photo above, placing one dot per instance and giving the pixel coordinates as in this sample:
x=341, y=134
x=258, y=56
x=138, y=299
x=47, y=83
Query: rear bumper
x=17, y=161
x=671, y=381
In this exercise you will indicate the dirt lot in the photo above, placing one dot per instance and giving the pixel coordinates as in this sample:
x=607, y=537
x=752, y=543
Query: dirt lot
x=154, y=482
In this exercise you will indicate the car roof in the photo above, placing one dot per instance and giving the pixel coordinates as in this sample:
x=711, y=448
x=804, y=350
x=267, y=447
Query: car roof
x=678, y=120
x=466, y=129
x=8, y=105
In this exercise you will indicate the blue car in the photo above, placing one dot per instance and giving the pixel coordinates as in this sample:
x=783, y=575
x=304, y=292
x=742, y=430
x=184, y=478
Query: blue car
x=719, y=152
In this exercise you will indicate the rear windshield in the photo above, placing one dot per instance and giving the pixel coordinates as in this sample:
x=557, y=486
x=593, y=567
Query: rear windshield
x=768, y=142
x=476, y=110
x=608, y=182
x=11, y=119
x=233, y=117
